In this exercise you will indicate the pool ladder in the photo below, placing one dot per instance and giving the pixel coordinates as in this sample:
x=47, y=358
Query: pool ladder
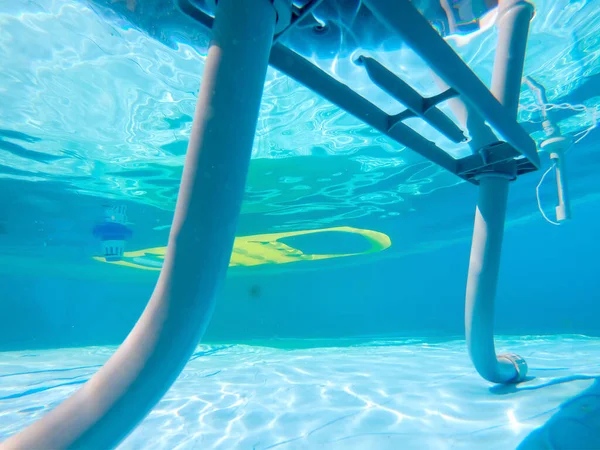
x=246, y=38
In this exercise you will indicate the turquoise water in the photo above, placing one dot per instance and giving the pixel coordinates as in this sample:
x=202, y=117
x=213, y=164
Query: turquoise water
x=353, y=352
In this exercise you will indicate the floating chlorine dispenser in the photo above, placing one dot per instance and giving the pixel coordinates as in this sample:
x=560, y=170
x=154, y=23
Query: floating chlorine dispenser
x=113, y=232
x=556, y=145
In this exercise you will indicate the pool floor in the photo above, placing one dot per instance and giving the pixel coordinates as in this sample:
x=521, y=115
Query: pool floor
x=378, y=395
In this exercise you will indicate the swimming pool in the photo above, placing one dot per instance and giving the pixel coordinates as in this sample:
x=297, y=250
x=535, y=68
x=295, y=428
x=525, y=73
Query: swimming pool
x=337, y=324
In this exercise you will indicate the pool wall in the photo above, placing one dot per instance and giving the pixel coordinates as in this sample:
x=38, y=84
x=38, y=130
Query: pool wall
x=548, y=284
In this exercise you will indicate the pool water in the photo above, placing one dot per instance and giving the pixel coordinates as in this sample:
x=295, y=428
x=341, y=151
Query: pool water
x=382, y=394
x=96, y=106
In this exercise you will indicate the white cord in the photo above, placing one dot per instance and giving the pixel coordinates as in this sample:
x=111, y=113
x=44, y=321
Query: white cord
x=537, y=195
x=592, y=112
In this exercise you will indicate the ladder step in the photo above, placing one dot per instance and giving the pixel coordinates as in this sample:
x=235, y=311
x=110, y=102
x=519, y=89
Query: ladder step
x=403, y=18
x=405, y=94
x=311, y=76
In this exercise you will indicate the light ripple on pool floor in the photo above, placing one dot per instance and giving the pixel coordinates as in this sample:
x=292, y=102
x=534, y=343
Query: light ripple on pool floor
x=382, y=395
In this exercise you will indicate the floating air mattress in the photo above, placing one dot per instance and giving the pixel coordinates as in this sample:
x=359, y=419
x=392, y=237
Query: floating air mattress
x=277, y=248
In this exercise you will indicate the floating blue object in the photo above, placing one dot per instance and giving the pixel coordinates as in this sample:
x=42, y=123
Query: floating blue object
x=109, y=231
x=113, y=233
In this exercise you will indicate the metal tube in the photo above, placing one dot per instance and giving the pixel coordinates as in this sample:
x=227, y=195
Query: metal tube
x=513, y=21
x=126, y=388
x=513, y=25
x=482, y=282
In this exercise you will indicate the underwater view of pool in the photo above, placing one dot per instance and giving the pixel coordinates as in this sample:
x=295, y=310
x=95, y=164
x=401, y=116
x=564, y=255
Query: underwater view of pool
x=340, y=323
